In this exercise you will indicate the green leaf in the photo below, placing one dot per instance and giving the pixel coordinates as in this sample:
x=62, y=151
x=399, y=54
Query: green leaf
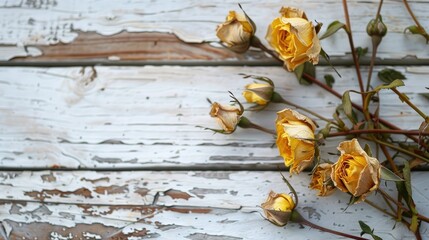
x=413, y=29
x=307, y=68
x=330, y=80
x=388, y=175
x=361, y=51
x=388, y=75
x=419, y=31
x=367, y=230
x=347, y=107
x=333, y=28
x=367, y=149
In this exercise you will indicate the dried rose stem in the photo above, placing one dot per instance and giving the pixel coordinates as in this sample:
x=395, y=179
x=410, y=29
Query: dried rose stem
x=279, y=99
x=379, y=208
x=390, y=159
x=359, y=108
x=421, y=217
x=390, y=131
x=392, y=146
x=338, y=95
x=407, y=101
x=296, y=217
x=352, y=47
x=407, y=6
x=374, y=51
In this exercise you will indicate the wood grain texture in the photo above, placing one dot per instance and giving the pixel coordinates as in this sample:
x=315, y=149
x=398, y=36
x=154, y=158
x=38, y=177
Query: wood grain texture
x=127, y=46
x=179, y=205
x=45, y=23
x=146, y=117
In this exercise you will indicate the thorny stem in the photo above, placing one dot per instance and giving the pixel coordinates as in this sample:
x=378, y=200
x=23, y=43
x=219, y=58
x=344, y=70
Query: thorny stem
x=296, y=217
x=352, y=47
x=407, y=101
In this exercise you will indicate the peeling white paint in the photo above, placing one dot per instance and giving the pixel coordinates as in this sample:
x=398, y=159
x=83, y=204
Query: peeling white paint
x=147, y=116
x=55, y=22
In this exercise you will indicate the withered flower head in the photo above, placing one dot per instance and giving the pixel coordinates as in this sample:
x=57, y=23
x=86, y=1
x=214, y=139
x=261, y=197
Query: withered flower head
x=321, y=180
x=355, y=172
x=227, y=116
x=294, y=38
x=236, y=32
x=278, y=208
x=295, y=139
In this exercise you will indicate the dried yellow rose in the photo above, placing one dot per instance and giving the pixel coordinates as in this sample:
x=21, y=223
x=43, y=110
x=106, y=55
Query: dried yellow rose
x=259, y=93
x=227, y=116
x=295, y=139
x=236, y=32
x=294, y=38
x=321, y=180
x=355, y=172
x=278, y=208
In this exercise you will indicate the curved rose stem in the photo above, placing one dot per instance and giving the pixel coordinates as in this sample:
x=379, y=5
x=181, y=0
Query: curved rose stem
x=407, y=6
x=278, y=99
x=296, y=217
x=246, y=123
x=352, y=48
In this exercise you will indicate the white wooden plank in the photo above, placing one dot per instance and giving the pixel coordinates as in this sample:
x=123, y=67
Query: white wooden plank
x=147, y=116
x=51, y=22
x=179, y=205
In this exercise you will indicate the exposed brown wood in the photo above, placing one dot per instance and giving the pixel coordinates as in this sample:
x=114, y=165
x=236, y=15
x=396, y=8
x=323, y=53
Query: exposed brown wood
x=130, y=46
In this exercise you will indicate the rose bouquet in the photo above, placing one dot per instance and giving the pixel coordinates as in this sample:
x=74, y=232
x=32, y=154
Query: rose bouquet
x=295, y=41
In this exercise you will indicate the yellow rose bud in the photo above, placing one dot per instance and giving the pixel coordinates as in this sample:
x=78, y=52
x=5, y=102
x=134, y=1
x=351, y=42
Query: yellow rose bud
x=294, y=38
x=321, y=180
x=236, y=32
x=295, y=139
x=355, y=172
x=278, y=208
x=259, y=93
x=227, y=116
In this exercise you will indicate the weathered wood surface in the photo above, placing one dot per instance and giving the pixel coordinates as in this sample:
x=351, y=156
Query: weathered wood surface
x=28, y=27
x=146, y=117
x=176, y=205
